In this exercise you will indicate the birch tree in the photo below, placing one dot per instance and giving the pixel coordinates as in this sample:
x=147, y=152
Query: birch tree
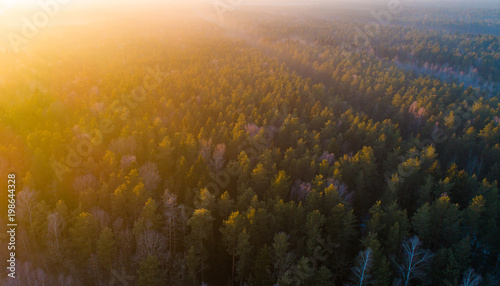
x=471, y=278
x=414, y=260
x=361, y=273
x=55, y=227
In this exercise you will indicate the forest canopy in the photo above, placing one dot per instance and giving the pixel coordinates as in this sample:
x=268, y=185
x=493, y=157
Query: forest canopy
x=254, y=146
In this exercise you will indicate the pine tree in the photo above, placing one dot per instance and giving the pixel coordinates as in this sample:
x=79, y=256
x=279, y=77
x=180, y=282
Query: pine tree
x=201, y=229
x=149, y=219
x=283, y=264
x=225, y=205
x=106, y=248
x=314, y=229
x=445, y=267
x=280, y=187
x=231, y=229
x=243, y=250
x=381, y=266
x=262, y=267
x=83, y=236
x=149, y=272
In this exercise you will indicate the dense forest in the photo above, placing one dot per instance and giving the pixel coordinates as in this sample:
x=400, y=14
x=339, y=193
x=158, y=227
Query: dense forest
x=255, y=149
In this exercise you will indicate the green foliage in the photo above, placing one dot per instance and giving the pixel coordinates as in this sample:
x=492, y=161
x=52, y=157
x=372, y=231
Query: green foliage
x=282, y=156
x=149, y=272
x=445, y=266
x=106, y=248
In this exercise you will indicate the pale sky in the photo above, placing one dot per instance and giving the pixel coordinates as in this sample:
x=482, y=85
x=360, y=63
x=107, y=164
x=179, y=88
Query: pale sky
x=10, y=4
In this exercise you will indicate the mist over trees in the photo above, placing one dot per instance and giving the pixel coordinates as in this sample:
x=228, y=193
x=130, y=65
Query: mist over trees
x=176, y=152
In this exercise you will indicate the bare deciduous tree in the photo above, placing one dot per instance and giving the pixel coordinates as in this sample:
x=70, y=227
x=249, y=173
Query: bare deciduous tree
x=55, y=226
x=173, y=229
x=213, y=158
x=126, y=161
x=217, y=161
x=362, y=271
x=171, y=214
x=102, y=217
x=85, y=182
x=125, y=246
x=300, y=190
x=117, y=224
x=64, y=280
x=123, y=146
x=97, y=108
x=414, y=260
x=206, y=149
x=94, y=270
x=341, y=189
x=252, y=129
x=150, y=243
x=471, y=278
x=26, y=203
x=150, y=177
x=28, y=275
x=329, y=157
x=178, y=265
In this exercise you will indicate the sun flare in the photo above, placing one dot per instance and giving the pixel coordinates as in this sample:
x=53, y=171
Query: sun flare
x=249, y=142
